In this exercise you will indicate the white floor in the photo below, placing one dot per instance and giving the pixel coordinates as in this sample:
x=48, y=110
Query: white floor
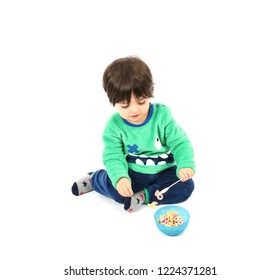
x=219, y=74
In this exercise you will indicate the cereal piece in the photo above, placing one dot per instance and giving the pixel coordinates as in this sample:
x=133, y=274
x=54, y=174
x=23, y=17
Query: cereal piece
x=153, y=204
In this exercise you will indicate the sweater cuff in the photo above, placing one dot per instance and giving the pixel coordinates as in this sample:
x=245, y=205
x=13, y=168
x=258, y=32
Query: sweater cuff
x=147, y=196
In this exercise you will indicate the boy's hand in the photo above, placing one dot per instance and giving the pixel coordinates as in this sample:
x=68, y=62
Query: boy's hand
x=185, y=174
x=124, y=187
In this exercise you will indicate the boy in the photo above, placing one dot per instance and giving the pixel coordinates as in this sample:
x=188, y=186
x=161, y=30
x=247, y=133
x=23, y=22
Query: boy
x=145, y=150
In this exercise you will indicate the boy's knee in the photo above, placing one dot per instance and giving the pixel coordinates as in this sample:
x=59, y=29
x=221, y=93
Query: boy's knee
x=189, y=187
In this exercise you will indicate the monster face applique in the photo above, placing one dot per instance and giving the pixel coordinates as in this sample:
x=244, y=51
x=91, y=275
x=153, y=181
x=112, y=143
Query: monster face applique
x=135, y=156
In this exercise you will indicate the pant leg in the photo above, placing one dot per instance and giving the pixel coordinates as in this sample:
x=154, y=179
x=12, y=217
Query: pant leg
x=139, y=181
x=102, y=184
x=176, y=194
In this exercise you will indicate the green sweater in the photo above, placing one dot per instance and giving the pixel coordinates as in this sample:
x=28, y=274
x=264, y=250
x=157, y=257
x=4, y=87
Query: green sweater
x=157, y=144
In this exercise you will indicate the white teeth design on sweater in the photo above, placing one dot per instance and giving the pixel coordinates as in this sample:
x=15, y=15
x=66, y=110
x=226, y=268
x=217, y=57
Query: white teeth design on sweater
x=164, y=156
x=139, y=161
x=150, y=160
x=142, y=156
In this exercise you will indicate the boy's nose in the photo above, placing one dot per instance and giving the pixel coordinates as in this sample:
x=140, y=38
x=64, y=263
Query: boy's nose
x=134, y=108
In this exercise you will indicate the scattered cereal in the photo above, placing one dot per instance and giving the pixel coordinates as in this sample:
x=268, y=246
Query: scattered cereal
x=153, y=205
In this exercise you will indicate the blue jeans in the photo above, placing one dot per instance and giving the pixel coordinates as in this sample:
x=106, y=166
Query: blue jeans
x=180, y=192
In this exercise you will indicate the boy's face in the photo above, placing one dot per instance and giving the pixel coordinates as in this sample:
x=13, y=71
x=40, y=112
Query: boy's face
x=136, y=111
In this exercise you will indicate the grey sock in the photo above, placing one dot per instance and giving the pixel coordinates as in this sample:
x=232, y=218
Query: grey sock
x=83, y=185
x=133, y=202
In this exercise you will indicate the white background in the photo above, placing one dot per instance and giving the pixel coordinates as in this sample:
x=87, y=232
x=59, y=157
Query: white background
x=215, y=64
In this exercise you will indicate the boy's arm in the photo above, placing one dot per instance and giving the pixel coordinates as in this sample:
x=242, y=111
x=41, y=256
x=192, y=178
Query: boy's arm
x=180, y=146
x=114, y=158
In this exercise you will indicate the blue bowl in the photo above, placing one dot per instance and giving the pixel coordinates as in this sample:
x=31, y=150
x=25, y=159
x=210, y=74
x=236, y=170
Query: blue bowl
x=172, y=230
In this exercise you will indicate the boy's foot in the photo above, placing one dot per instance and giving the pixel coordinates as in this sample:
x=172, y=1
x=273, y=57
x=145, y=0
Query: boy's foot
x=133, y=202
x=83, y=185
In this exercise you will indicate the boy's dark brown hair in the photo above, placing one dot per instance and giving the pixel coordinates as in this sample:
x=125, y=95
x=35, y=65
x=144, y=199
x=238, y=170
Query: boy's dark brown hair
x=126, y=75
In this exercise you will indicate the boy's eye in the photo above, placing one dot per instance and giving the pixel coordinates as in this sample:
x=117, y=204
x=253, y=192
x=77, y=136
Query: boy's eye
x=141, y=102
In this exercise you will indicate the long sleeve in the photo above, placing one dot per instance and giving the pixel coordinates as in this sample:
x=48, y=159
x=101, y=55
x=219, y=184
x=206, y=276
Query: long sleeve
x=179, y=143
x=114, y=157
